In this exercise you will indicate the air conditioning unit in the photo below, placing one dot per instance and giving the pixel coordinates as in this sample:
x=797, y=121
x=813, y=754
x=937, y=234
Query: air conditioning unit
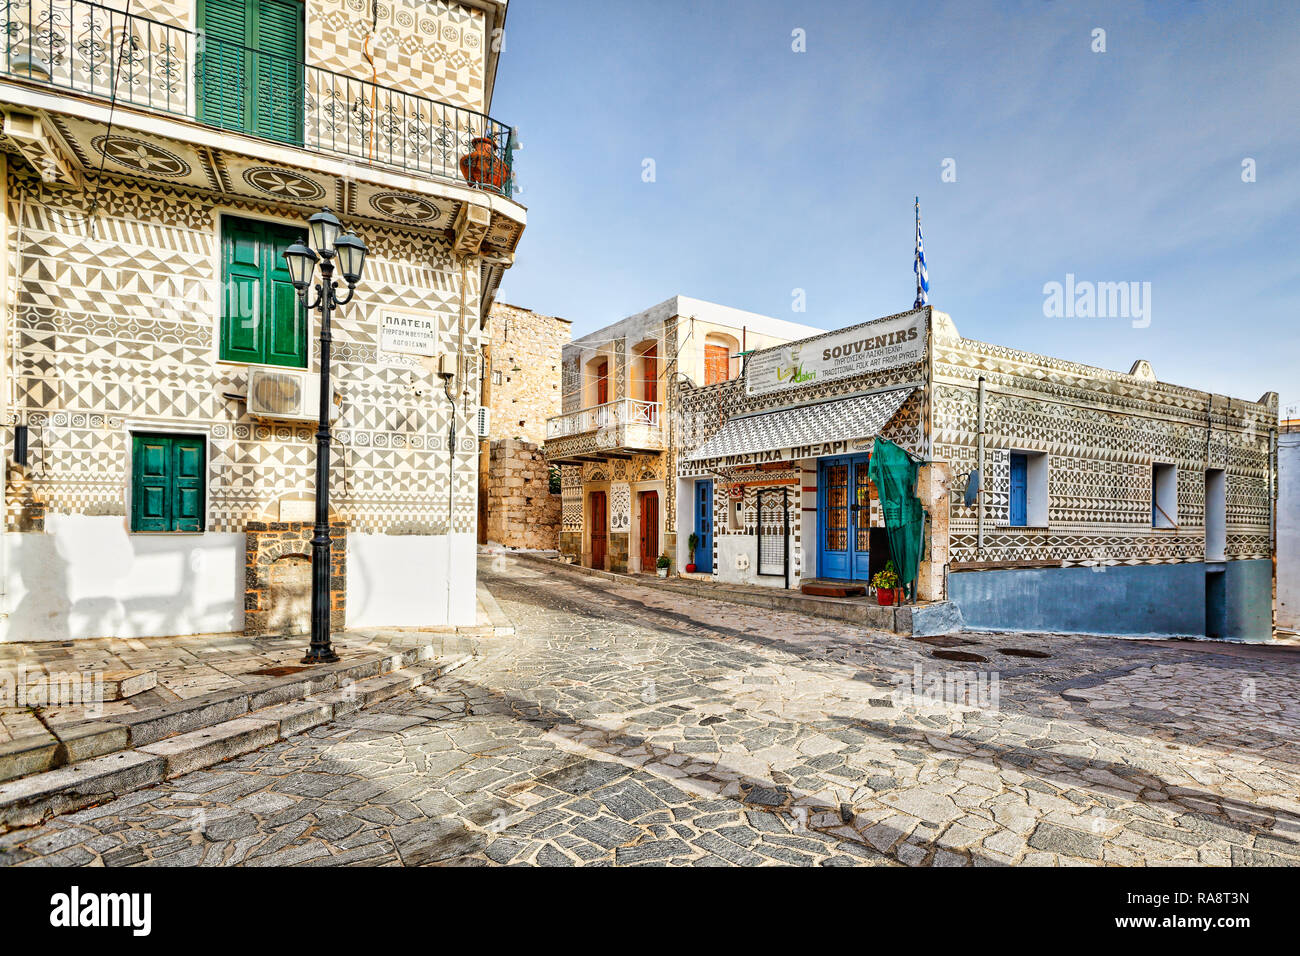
x=283, y=394
x=484, y=421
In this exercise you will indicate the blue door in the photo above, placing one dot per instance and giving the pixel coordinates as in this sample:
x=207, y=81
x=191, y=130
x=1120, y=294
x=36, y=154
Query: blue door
x=703, y=556
x=1019, y=491
x=843, y=512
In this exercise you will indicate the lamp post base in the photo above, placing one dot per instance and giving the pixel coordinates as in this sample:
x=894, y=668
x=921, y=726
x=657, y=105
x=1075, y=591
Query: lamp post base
x=322, y=656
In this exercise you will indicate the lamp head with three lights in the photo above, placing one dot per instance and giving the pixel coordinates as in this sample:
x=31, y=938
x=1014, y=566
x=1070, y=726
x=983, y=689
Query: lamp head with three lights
x=325, y=228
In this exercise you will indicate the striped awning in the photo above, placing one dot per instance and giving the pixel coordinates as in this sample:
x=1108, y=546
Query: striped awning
x=844, y=419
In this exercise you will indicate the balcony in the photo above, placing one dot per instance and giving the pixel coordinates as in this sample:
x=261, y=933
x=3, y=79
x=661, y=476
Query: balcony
x=92, y=50
x=615, y=430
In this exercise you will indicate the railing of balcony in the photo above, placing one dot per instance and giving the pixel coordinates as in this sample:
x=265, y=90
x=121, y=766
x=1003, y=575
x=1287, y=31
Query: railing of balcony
x=628, y=411
x=92, y=49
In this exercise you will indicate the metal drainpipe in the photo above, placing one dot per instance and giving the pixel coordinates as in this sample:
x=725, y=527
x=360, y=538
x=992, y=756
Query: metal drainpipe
x=979, y=464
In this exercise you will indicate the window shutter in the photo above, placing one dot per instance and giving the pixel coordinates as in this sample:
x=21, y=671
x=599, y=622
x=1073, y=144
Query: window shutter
x=243, y=295
x=151, y=483
x=222, y=68
x=187, y=484
x=1019, y=491
x=278, y=75
x=286, y=333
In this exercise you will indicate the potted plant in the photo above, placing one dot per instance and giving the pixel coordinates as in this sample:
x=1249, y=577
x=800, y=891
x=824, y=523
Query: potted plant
x=662, y=565
x=885, y=581
x=481, y=164
x=692, y=542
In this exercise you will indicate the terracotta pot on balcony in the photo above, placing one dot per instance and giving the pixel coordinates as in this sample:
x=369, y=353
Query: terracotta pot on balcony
x=481, y=165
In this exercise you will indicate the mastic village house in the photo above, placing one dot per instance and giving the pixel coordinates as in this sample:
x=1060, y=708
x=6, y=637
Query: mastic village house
x=161, y=375
x=1047, y=495
x=617, y=439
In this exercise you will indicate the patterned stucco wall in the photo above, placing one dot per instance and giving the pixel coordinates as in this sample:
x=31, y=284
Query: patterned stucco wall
x=116, y=329
x=1102, y=431
x=432, y=48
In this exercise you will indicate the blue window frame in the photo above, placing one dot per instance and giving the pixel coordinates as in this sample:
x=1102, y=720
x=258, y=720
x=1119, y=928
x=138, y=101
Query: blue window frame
x=1019, y=490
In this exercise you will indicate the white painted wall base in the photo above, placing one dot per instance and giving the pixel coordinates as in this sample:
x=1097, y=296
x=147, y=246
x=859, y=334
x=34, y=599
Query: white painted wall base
x=403, y=580
x=87, y=577
x=742, y=549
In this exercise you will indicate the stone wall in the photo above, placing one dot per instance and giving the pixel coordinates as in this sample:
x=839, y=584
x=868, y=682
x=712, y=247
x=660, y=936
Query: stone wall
x=522, y=512
x=525, y=370
x=265, y=543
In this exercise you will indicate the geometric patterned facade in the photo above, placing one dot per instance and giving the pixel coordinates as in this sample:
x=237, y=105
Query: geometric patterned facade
x=1102, y=431
x=113, y=206
x=116, y=322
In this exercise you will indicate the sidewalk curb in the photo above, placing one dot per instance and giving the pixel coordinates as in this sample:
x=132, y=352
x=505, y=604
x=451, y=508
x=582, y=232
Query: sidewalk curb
x=924, y=620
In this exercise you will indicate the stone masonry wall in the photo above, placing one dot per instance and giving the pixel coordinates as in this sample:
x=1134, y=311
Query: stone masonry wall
x=525, y=370
x=522, y=512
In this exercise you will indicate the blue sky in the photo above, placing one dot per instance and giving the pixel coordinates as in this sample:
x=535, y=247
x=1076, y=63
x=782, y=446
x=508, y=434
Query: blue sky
x=778, y=171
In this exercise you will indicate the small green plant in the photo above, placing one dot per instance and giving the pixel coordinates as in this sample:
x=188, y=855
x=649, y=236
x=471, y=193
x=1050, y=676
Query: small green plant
x=663, y=561
x=693, y=541
x=555, y=485
x=886, y=578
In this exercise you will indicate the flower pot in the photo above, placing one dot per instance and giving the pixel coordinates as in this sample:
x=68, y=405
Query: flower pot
x=885, y=596
x=690, y=569
x=481, y=165
x=662, y=572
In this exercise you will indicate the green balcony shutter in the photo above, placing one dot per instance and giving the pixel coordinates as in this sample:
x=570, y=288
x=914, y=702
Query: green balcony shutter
x=243, y=290
x=278, y=99
x=187, y=484
x=286, y=334
x=151, y=470
x=222, y=67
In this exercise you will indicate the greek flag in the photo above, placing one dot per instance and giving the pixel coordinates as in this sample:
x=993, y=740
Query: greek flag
x=922, y=279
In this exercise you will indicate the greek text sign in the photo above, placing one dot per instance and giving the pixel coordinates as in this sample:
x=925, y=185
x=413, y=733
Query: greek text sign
x=874, y=347
x=405, y=334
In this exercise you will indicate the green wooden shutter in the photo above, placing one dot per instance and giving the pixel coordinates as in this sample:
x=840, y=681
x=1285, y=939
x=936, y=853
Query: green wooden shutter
x=243, y=290
x=188, y=466
x=222, y=67
x=278, y=96
x=151, y=469
x=286, y=332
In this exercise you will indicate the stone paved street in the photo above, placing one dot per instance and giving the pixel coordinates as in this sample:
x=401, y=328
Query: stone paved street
x=629, y=725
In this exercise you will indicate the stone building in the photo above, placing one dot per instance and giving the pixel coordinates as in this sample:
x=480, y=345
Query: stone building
x=616, y=438
x=521, y=388
x=159, y=369
x=1110, y=502
x=523, y=368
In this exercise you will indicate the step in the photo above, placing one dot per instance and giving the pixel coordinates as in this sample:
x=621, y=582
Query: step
x=65, y=744
x=29, y=800
x=834, y=590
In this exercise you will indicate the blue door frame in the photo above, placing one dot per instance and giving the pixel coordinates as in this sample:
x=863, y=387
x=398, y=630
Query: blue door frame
x=843, y=512
x=703, y=556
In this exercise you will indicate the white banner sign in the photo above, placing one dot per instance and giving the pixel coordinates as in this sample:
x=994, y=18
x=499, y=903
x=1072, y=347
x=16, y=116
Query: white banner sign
x=405, y=333
x=874, y=347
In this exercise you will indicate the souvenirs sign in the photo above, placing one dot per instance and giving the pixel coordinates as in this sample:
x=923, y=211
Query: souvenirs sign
x=873, y=347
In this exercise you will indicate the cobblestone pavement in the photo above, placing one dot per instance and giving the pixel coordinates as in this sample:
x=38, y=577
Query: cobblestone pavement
x=628, y=725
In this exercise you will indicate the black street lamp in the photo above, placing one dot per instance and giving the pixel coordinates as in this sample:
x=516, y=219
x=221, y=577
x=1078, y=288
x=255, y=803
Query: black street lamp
x=351, y=252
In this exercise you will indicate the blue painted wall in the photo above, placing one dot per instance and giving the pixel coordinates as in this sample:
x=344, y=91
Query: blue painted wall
x=1249, y=591
x=1154, y=599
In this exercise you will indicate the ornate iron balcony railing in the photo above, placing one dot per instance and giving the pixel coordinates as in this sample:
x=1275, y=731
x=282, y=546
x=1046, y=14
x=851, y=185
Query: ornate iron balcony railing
x=92, y=49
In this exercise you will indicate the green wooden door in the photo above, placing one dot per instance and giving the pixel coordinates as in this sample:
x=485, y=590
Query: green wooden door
x=262, y=319
x=167, y=478
x=250, y=67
